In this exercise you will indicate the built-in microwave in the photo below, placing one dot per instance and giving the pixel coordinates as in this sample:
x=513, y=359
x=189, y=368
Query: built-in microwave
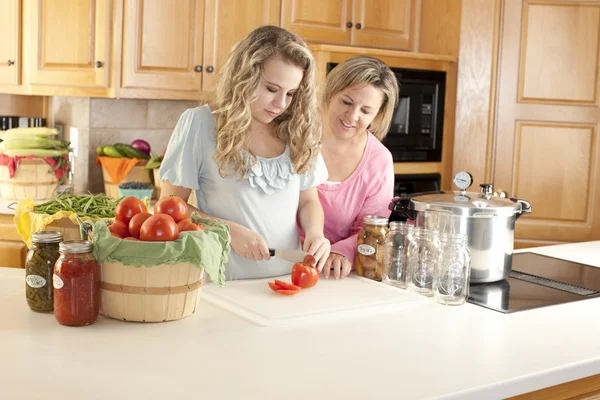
x=417, y=126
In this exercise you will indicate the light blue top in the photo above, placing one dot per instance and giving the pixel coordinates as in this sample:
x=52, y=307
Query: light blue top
x=265, y=202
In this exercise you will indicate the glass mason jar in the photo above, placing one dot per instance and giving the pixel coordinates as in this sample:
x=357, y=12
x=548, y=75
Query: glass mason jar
x=76, y=283
x=395, y=265
x=38, y=270
x=370, y=249
x=453, y=270
x=422, y=255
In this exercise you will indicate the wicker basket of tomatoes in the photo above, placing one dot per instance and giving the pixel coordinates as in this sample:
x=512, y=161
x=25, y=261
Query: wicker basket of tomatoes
x=153, y=265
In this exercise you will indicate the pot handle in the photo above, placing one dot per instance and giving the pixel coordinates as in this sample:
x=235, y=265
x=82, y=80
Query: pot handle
x=525, y=207
x=400, y=205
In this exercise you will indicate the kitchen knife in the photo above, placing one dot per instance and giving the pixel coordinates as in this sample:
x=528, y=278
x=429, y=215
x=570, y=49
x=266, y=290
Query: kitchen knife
x=295, y=256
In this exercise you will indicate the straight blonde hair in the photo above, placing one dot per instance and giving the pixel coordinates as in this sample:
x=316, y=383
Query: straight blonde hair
x=237, y=87
x=364, y=70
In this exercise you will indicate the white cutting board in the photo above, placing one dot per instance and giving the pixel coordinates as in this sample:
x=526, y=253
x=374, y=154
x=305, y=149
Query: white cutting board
x=349, y=297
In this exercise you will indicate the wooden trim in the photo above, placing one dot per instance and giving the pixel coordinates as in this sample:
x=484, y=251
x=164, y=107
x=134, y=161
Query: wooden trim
x=495, y=82
x=581, y=389
x=527, y=243
x=419, y=168
x=378, y=52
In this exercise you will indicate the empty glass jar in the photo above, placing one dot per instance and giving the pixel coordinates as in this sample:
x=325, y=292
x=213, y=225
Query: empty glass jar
x=422, y=255
x=395, y=265
x=452, y=273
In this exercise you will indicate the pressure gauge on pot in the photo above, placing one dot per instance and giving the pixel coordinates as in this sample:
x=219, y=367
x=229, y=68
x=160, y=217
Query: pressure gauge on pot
x=463, y=180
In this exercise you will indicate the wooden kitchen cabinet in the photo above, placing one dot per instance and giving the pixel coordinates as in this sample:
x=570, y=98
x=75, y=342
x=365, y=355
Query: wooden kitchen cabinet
x=12, y=249
x=228, y=21
x=390, y=24
x=530, y=122
x=10, y=45
x=175, y=50
x=67, y=44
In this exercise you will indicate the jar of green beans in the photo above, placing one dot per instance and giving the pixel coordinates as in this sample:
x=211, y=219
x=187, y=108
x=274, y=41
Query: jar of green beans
x=39, y=266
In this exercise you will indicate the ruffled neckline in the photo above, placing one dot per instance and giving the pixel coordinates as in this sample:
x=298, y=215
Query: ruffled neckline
x=270, y=174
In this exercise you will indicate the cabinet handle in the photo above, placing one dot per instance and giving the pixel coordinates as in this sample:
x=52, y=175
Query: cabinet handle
x=99, y=64
x=210, y=68
x=358, y=26
x=198, y=68
x=349, y=24
x=11, y=62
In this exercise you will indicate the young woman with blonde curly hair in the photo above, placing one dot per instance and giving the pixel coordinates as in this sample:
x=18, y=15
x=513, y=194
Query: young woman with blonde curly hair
x=254, y=161
x=358, y=102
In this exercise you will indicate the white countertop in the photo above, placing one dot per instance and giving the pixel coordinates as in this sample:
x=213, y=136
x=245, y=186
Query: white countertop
x=424, y=351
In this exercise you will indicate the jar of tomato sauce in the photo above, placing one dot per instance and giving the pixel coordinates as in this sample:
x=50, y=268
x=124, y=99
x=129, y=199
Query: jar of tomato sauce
x=76, y=282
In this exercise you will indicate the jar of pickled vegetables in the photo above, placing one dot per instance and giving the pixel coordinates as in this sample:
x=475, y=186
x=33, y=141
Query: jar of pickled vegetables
x=370, y=249
x=38, y=270
x=76, y=283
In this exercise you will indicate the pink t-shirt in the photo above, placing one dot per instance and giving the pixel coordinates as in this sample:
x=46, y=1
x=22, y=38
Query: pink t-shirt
x=368, y=191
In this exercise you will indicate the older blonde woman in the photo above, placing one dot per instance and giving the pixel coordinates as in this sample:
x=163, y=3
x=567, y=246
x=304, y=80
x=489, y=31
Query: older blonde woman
x=358, y=103
x=254, y=161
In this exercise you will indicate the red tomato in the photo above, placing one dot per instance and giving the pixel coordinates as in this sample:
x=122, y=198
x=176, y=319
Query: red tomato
x=288, y=292
x=173, y=206
x=118, y=228
x=159, y=228
x=127, y=208
x=136, y=223
x=274, y=286
x=187, y=225
x=309, y=259
x=304, y=275
x=115, y=235
x=285, y=285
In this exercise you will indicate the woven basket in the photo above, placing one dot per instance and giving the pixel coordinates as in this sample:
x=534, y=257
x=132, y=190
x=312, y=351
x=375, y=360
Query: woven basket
x=154, y=294
x=33, y=179
x=137, y=174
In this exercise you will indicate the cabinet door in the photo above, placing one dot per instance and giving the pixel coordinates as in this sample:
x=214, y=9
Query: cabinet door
x=162, y=45
x=320, y=21
x=389, y=24
x=10, y=32
x=228, y=21
x=66, y=42
x=547, y=140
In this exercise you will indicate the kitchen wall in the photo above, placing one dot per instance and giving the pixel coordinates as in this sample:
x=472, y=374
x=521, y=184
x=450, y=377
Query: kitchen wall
x=91, y=122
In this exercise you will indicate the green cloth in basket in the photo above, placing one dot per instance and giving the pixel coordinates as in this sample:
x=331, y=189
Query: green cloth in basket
x=207, y=249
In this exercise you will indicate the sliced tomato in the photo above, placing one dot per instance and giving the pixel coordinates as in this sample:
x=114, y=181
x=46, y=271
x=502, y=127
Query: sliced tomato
x=286, y=286
x=274, y=286
x=288, y=292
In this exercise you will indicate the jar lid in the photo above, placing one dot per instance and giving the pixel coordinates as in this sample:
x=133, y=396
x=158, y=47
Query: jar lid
x=400, y=225
x=75, y=246
x=466, y=204
x=375, y=220
x=47, y=237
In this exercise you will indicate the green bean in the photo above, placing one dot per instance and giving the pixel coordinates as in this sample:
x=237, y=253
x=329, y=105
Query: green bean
x=95, y=206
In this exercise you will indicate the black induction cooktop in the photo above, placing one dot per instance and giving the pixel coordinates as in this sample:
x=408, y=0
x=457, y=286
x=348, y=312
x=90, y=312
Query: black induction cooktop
x=537, y=281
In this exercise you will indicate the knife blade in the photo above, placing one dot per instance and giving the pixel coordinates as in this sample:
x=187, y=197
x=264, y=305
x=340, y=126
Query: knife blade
x=295, y=256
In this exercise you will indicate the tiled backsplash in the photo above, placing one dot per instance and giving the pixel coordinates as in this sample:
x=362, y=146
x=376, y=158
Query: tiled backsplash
x=101, y=122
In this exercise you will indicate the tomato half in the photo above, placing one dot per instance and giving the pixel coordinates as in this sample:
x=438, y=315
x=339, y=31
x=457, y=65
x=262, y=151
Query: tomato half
x=174, y=206
x=304, y=275
x=159, y=228
x=186, y=224
x=136, y=223
x=127, y=208
x=118, y=228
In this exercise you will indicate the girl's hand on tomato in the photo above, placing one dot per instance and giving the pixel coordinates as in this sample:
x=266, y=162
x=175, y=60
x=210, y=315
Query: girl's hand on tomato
x=338, y=266
x=319, y=247
x=248, y=244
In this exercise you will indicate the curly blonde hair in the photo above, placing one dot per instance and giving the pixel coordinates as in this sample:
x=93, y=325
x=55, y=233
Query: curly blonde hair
x=364, y=70
x=298, y=125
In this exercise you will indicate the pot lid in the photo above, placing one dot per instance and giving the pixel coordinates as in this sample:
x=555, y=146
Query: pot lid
x=464, y=203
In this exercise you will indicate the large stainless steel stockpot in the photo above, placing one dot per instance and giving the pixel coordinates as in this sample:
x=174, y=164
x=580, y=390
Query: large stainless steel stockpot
x=487, y=220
